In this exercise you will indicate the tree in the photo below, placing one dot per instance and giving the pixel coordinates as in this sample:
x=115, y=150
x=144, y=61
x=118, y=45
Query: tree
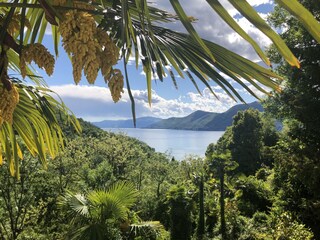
x=98, y=214
x=159, y=166
x=180, y=207
x=28, y=202
x=253, y=195
x=299, y=98
x=84, y=30
x=16, y=199
x=246, y=141
x=220, y=164
x=297, y=154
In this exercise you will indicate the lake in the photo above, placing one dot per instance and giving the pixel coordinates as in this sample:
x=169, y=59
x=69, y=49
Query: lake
x=177, y=143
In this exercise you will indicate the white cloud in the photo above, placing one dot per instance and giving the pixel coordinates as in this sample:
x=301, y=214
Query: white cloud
x=94, y=103
x=259, y=2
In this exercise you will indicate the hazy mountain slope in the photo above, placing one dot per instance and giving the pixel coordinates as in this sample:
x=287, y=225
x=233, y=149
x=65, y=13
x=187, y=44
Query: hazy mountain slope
x=128, y=123
x=198, y=120
x=201, y=120
x=223, y=120
x=191, y=122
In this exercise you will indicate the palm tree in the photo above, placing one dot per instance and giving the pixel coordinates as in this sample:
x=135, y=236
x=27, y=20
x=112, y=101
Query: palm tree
x=220, y=164
x=95, y=214
x=133, y=27
x=34, y=124
x=104, y=214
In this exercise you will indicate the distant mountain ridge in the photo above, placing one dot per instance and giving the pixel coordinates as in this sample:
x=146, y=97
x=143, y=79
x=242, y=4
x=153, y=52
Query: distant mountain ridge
x=205, y=121
x=142, y=122
x=194, y=121
x=198, y=120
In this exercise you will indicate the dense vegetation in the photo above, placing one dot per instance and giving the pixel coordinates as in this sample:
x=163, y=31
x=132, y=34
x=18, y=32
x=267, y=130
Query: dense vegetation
x=109, y=186
x=254, y=183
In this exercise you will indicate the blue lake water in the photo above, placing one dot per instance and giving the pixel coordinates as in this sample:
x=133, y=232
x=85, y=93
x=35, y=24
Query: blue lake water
x=177, y=143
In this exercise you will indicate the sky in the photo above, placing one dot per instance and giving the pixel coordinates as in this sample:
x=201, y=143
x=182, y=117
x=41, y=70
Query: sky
x=94, y=103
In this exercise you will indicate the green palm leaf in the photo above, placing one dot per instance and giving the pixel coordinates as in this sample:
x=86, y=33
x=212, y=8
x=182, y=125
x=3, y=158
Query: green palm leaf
x=251, y=14
x=114, y=202
x=147, y=229
x=91, y=213
x=187, y=24
x=223, y=13
x=35, y=125
x=304, y=16
x=77, y=204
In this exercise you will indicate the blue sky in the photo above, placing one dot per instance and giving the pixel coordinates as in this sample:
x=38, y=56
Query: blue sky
x=94, y=103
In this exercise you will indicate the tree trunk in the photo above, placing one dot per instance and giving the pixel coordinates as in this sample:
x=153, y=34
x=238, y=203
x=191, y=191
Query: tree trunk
x=222, y=214
x=200, y=229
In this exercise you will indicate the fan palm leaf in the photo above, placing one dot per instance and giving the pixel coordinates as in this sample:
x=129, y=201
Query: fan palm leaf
x=91, y=213
x=148, y=229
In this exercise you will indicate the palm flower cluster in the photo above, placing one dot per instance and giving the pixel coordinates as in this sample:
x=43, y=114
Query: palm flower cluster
x=8, y=102
x=115, y=85
x=40, y=55
x=14, y=23
x=78, y=32
x=91, y=49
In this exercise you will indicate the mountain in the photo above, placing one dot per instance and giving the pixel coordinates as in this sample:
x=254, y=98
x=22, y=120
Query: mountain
x=142, y=122
x=194, y=121
x=205, y=121
x=198, y=120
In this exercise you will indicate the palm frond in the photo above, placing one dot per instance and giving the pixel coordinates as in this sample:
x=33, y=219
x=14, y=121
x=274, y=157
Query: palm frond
x=35, y=125
x=303, y=15
x=93, y=231
x=148, y=229
x=223, y=13
x=76, y=204
x=91, y=213
x=114, y=202
x=126, y=192
x=251, y=14
x=180, y=52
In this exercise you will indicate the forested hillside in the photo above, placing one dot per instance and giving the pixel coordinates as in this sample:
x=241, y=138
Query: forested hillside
x=110, y=186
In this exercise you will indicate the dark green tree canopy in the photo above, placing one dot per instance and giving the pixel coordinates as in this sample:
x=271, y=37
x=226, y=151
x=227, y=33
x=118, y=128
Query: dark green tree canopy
x=246, y=141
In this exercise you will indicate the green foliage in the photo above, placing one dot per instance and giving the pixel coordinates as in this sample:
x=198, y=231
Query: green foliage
x=297, y=179
x=246, y=141
x=93, y=214
x=223, y=144
x=300, y=98
x=180, y=207
x=288, y=229
x=170, y=192
x=253, y=195
x=297, y=153
x=28, y=205
x=35, y=127
x=151, y=230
